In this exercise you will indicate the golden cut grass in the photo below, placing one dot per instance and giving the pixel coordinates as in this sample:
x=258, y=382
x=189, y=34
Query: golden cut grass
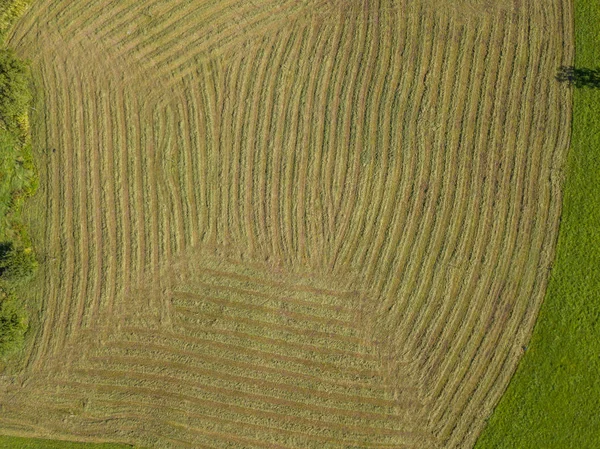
x=283, y=224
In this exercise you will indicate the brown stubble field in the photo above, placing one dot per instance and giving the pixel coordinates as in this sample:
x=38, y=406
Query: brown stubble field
x=287, y=224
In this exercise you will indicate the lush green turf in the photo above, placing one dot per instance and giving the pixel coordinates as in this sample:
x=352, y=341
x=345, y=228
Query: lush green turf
x=554, y=399
x=34, y=443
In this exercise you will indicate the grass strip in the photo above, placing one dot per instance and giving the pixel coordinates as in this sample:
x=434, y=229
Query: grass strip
x=38, y=443
x=553, y=401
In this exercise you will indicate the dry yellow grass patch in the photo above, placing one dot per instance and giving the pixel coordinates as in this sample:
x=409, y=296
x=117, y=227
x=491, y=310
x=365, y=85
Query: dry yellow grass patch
x=288, y=224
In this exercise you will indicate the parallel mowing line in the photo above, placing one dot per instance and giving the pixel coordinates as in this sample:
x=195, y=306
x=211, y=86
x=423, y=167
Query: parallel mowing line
x=364, y=404
x=406, y=51
x=458, y=117
x=254, y=174
x=313, y=138
x=55, y=203
x=302, y=220
x=237, y=84
x=210, y=100
x=422, y=288
x=81, y=211
x=478, y=227
x=251, y=296
x=473, y=316
x=327, y=72
x=230, y=437
x=525, y=166
x=68, y=241
x=290, y=135
x=263, y=429
x=225, y=153
x=53, y=303
x=183, y=62
x=434, y=334
x=262, y=94
x=136, y=185
x=251, y=353
x=351, y=324
x=123, y=192
x=403, y=205
x=441, y=189
x=269, y=127
x=387, y=152
x=109, y=201
x=117, y=143
x=161, y=391
x=541, y=120
x=264, y=372
x=245, y=336
x=277, y=235
x=424, y=331
x=238, y=204
x=197, y=116
x=34, y=358
x=189, y=164
x=338, y=153
x=412, y=209
x=416, y=229
x=231, y=387
x=347, y=200
x=296, y=154
x=368, y=224
x=379, y=126
x=506, y=173
x=430, y=190
x=356, y=205
x=175, y=27
x=175, y=225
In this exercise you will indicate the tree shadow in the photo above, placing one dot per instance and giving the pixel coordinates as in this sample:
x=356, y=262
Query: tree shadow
x=579, y=77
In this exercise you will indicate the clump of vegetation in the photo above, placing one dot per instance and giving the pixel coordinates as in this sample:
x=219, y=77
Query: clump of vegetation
x=17, y=264
x=15, y=96
x=13, y=321
x=17, y=182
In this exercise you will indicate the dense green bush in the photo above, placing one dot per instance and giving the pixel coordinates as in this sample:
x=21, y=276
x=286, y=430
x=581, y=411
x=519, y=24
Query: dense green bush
x=17, y=182
x=17, y=264
x=13, y=321
x=15, y=96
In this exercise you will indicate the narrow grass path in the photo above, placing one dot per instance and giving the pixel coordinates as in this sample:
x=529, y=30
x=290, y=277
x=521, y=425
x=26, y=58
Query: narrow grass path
x=7, y=442
x=554, y=398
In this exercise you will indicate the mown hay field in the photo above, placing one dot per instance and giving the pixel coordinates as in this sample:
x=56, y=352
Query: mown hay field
x=287, y=224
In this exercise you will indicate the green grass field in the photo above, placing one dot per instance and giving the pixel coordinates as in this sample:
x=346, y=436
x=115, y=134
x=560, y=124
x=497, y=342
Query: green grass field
x=554, y=398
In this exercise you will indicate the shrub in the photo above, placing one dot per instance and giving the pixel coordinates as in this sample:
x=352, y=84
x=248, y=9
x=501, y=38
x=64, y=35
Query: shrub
x=16, y=264
x=15, y=96
x=13, y=323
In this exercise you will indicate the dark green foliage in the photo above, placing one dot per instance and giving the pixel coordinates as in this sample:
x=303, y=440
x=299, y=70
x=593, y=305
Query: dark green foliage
x=17, y=182
x=15, y=96
x=13, y=323
x=17, y=264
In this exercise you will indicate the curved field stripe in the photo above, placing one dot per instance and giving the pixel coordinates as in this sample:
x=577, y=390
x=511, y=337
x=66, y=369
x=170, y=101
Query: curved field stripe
x=289, y=224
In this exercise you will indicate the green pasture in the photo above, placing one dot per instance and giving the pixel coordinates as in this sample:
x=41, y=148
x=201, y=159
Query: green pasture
x=553, y=401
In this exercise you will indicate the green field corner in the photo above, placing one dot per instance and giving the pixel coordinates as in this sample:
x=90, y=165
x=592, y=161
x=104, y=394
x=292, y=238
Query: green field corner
x=553, y=401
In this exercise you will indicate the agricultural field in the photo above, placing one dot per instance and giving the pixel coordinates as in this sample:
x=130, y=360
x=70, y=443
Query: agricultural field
x=286, y=224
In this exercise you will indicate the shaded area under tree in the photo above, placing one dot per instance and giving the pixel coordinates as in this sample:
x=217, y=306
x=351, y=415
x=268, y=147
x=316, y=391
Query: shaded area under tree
x=579, y=77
